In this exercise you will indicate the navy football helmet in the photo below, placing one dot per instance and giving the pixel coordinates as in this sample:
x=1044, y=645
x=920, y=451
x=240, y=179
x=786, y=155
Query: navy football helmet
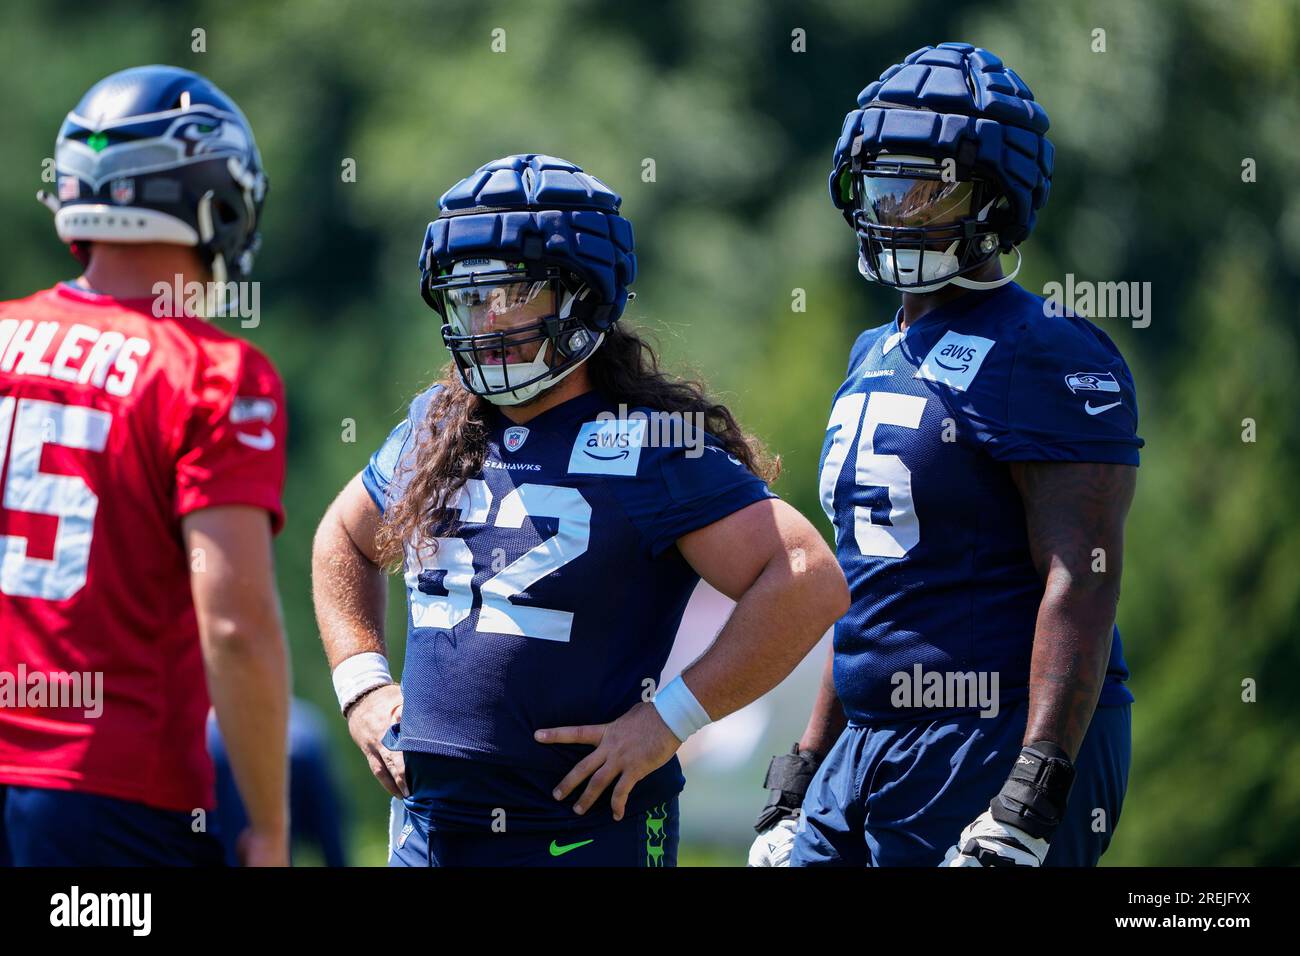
x=528, y=265
x=159, y=154
x=942, y=167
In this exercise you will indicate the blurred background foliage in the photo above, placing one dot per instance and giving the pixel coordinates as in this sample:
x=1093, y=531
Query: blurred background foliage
x=1151, y=136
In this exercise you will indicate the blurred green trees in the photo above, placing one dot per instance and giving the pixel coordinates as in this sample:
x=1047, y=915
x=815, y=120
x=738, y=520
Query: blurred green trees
x=718, y=135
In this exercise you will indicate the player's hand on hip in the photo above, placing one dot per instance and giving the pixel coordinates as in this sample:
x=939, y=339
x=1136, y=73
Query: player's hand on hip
x=627, y=750
x=368, y=721
x=260, y=848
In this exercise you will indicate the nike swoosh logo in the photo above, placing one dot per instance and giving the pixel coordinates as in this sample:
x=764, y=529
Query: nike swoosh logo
x=263, y=442
x=1087, y=407
x=557, y=850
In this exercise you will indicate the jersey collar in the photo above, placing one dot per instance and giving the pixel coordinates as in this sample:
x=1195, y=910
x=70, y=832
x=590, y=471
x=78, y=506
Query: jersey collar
x=943, y=313
x=76, y=293
x=559, y=416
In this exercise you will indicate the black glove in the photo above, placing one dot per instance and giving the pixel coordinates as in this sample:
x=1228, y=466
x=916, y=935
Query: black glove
x=1034, y=796
x=788, y=777
x=1017, y=828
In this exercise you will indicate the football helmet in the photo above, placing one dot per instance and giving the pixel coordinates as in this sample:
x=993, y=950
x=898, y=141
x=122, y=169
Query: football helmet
x=528, y=265
x=943, y=166
x=159, y=154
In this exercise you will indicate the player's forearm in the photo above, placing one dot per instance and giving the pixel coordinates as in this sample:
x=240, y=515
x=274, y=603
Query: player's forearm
x=1074, y=514
x=827, y=720
x=776, y=622
x=1072, y=643
x=349, y=592
x=248, y=682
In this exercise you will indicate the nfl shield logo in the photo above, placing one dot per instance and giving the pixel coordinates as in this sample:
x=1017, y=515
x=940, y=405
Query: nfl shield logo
x=123, y=191
x=515, y=437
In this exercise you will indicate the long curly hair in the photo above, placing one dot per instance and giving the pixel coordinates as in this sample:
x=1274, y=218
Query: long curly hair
x=451, y=441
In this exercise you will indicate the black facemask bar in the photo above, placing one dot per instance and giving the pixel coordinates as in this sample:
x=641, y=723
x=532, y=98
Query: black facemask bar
x=977, y=240
x=568, y=339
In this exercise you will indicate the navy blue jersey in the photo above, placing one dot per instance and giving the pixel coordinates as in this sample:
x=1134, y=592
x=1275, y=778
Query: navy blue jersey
x=555, y=602
x=929, y=527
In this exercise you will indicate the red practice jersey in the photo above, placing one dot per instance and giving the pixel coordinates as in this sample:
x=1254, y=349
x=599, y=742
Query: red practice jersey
x=113, y=425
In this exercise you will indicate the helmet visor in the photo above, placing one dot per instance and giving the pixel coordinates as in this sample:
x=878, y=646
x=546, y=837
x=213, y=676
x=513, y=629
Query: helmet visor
x=915, y=202
x=508, y=315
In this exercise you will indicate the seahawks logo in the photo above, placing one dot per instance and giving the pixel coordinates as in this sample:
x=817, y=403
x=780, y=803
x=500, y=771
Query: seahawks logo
x=1092, y=382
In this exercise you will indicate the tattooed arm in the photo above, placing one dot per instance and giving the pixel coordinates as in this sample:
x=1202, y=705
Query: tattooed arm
x=1075, y=516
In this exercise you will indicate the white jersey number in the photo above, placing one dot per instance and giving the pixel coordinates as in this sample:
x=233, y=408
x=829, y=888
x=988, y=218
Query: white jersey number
x=497, y=614
x=848, y=420
x=34, y=424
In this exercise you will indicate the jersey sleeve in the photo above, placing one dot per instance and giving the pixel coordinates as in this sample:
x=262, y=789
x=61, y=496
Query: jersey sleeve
x=1069, y=397
x=232, y=450
x=381, y=472
x=692, y=487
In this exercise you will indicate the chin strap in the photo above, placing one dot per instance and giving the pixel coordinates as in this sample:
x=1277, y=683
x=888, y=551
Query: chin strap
x=966, y=283
x=512, y=397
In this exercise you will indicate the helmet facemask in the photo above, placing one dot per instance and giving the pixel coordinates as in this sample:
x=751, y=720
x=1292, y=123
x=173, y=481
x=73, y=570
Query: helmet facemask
x=919, y=230
x=511, y=329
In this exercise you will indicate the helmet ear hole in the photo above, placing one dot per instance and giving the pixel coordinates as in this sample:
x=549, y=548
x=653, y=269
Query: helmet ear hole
x=575, y=342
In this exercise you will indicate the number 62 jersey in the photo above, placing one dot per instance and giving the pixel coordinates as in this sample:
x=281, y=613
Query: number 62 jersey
x=929, y=527
x=554, y=603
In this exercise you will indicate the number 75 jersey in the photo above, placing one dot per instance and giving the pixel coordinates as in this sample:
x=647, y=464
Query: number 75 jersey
x=929, y=527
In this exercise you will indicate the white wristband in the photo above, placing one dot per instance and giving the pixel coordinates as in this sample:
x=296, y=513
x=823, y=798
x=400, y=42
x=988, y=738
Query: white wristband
x=680, y=710
x=360, y=674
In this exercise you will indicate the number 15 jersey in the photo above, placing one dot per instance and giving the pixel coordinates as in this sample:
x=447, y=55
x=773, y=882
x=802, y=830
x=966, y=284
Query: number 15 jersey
x=929, y=527
x=114, y=425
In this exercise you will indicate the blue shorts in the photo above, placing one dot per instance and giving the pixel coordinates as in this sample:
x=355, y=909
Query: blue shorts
x=40, y=827
x=648, y=838
x=899, y=794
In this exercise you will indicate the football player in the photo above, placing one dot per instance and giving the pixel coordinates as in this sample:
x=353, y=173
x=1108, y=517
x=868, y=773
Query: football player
x=143, y=457
x=978, y=466
x=554, y=501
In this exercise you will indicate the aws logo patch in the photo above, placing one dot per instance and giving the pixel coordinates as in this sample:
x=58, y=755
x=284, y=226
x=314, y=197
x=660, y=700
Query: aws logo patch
x=610, y=447
x=955, y=360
